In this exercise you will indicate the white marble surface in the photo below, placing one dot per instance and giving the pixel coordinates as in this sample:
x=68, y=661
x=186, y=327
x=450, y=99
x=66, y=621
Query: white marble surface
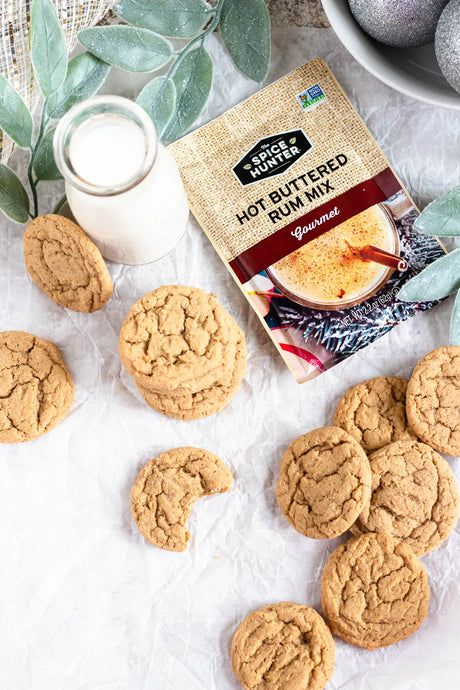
x=85, y=602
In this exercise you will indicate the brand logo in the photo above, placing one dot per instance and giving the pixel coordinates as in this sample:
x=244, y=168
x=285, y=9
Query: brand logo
x=311, y=97
x=272, y=156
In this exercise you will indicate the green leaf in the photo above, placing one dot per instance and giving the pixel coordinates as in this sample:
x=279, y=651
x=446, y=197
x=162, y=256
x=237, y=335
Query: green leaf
x=193, y=81
x=47, y=47
x=135, y=50
x=15, y=118
x=85, y=75
x=14, y=201
x=455, y=323
x=436, y=281
x=158, y=98
x=178, y=19
x=45, y=166
x=441, y=217
x=245, y=29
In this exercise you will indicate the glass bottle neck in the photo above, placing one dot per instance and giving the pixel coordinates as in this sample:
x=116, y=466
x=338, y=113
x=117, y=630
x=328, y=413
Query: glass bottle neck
x=105, y=146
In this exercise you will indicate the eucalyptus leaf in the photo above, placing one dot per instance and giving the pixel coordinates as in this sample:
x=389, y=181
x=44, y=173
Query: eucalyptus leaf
x=193, y=81
x=85, y=75
x=132, y=49
x=45, y=166
x=158, y=98
x=15, y=118
x=178, y=19
x=455, y=322
x=436, y=281
x=14, y=201
x=245, y=29
x=441, y=217
x=48, y=50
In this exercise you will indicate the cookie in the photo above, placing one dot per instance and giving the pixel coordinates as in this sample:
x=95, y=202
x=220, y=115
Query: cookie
x=166, y=489
x=324, y=482
x=433, y=400
x=374, y=412
x=178, y=339
x=66, y=264
x=192, y=406
x=414, y=497
x=374, y=591
x=36, y=389
x=283, y=646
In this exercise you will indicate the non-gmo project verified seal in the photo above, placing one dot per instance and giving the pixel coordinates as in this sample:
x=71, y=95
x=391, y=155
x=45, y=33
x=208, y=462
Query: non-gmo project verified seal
x=311, y=97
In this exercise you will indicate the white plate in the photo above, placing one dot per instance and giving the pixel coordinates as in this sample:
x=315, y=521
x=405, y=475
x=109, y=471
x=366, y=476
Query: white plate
x=412, y=71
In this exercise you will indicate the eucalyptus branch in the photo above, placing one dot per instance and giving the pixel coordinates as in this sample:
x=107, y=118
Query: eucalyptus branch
x=33, y=180
x=198, y=39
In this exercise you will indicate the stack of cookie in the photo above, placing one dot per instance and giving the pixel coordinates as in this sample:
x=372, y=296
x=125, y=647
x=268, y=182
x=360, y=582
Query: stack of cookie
x=187, y=355
x=401, y=501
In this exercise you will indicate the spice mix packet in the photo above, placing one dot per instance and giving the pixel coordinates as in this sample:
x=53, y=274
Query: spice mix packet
x=308, y=216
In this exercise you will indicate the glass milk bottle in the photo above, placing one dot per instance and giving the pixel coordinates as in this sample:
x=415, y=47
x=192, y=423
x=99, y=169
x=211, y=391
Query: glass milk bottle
x=122, y=185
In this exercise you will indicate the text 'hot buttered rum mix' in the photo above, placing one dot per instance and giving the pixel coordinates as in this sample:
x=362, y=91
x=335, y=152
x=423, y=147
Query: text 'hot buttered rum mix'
x=309, y=217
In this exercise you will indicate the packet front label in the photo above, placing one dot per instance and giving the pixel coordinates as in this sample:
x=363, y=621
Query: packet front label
x=308, y=216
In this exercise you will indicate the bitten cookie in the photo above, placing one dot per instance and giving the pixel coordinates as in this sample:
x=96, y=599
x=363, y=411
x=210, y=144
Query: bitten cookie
x=36, y=389
x=166, y=489
x=374, y=591
x=66, y=264
x=283, y=646
x=178, y=339
x=414, y=497
x=324, y=482
x=433, y=400
x=374, y=412
x=192, y=406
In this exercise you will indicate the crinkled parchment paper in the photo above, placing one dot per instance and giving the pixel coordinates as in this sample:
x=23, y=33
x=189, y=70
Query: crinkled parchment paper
x=85, y=602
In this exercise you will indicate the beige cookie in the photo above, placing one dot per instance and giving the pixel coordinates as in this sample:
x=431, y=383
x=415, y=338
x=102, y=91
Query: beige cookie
x=166, y=489
x=191, y=406
x=414, y=497
x=324, y=482
x=36, y=389
x=178, y=339
x=283, y=646
x=374, y=591
x=66, y=264
x=433, y=400
x=374, y=412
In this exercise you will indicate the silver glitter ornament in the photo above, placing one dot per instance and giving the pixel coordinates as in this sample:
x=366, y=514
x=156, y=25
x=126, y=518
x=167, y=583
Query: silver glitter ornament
x=399, y=23
x=447, y=43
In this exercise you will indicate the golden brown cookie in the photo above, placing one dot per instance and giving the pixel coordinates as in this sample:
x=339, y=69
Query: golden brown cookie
x=178, y=339
x=66, y=264
x=414, y=497
x=192, y=406
x=166, y=489
x=36, y=389
x=374, y=591
x=324, y=482
x=433, y=400
x=283, y=646
x=374, y=412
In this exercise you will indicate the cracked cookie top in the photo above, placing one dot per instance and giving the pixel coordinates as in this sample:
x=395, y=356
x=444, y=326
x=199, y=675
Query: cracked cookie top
x=374, y=591
x=166, y=489
x=192, y=406
x=283, y=646
x=66, y=264
x=36, y=389
x=414, y=496
x=324, y=482
x=374, y=412
x=433, y=400
x=178, y=338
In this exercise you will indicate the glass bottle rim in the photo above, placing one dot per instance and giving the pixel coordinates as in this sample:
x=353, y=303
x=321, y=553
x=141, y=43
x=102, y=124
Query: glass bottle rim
x=80, y=113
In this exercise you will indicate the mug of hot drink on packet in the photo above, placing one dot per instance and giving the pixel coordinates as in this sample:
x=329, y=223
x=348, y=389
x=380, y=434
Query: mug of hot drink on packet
x=343, y=266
